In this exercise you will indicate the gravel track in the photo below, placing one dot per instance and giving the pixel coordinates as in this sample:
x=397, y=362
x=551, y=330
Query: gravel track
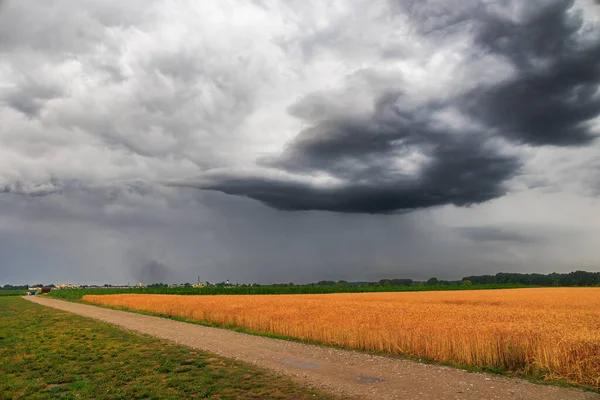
x=348, y=374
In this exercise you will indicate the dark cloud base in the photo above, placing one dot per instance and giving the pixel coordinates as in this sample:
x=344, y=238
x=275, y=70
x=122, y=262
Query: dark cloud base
x=461, y=174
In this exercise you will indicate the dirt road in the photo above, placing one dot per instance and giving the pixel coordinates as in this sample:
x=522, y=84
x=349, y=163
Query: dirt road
x=346, y=373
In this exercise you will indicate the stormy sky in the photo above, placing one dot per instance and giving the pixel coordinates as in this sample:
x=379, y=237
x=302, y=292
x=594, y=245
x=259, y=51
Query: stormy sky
x=275, y=141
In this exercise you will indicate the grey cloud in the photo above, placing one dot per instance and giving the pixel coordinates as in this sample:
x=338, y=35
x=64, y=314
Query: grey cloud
x=439, y=18
x=496, y=234
x=26, y=105
x=27, y=25
x=103, y=194
x=316, y=106
x=22, y=27
x=121, y=206
x=585, y=172
x=595, y=182
x=31, y=97
x=148, y=103
x=31, y=189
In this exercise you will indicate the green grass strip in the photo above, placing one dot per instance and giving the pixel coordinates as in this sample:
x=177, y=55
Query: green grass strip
x=51, y=354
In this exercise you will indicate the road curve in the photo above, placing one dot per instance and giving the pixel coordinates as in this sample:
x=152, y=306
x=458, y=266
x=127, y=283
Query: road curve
x=349, y=374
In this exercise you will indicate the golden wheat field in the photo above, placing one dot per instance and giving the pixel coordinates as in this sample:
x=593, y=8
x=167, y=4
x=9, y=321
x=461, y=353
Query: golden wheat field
x=554, y=332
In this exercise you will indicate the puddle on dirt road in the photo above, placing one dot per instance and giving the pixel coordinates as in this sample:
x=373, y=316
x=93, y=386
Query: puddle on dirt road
x=300, y=363
x=369, y=379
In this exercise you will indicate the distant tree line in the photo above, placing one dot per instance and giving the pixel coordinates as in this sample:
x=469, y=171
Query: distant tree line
x=14, y=287
x=384, y=282
x=577, y=278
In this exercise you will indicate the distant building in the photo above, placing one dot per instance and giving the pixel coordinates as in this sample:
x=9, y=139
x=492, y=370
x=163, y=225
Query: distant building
x=200, y=284
x=176, y=285
x=67, y=286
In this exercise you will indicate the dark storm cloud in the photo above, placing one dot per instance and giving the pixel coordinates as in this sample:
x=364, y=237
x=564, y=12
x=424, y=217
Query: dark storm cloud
x=549, y=99
x=460, y=170
x=556, y=88
x=362, y=152
x=462, y=182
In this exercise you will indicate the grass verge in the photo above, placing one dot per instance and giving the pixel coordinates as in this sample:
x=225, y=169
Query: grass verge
x=12, y=293
x=49, y=354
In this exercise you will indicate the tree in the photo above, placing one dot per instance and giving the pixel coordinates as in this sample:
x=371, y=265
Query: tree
x=158, y=285
x=433, y=281
x=17, y=287
x=402, y=282
x=326, y=283
x=467, y=282
x=576, y=278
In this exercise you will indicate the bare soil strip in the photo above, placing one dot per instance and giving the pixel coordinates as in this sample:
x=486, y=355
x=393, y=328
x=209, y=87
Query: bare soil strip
x=346, y=373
